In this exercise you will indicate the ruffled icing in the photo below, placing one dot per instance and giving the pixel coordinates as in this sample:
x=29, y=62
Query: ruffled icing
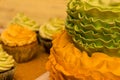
x=16, y=35
x=66, y=59
x=25, y=21
x=94, y=25
x=53, y=26
x=6, y=61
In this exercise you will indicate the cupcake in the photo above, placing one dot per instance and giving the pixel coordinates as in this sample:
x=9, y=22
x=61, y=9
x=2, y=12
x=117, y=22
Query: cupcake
x=6, y=65
x=89, y=48
x=47, y=30
x=20, y=42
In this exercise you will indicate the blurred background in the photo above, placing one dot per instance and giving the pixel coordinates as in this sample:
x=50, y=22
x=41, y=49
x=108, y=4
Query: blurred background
x=38, y=10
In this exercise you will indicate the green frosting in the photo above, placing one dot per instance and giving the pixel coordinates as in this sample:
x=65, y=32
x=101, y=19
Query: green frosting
x=24, y=21
x=95, y=25
x=53, y=26
x=6, y=61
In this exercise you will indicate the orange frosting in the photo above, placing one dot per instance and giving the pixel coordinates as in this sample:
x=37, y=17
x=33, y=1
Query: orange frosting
x=70, y=61
x=16, y=35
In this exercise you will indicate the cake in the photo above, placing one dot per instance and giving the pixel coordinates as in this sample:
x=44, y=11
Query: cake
x=48, y=29
x=20, y=42
x=6, y=65
x=89, y=48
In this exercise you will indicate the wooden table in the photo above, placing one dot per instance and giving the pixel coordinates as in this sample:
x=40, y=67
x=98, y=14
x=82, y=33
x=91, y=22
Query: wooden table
x=32, y=69
x=40, y=11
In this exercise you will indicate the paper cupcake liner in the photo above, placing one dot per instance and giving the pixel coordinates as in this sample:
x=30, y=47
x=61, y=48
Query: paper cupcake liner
x=47, y=44
x=23, y=53
x=7, y=75
x=38, y=37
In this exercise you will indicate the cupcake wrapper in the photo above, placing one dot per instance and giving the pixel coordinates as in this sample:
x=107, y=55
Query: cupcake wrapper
x=22, y=53
x=7, y=75
x=38, y=37
x=47, y=44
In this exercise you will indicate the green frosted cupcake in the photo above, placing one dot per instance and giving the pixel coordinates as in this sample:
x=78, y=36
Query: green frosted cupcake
x=6, y=65
x=47, y=30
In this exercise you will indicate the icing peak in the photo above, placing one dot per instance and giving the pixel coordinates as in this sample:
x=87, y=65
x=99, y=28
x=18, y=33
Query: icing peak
x=25, y=21
x=16, y=35
x=53, y=26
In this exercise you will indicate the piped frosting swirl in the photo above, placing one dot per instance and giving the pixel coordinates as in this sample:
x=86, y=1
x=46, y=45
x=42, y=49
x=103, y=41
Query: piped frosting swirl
x=16, y=35
x=53, y=26
x=25, y=21
x=6, y=61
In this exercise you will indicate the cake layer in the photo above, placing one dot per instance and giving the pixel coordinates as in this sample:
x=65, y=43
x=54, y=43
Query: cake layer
x=66, y=62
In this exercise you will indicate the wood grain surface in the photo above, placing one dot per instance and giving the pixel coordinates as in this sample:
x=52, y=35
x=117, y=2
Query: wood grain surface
x=32, y=69
x=40, y=11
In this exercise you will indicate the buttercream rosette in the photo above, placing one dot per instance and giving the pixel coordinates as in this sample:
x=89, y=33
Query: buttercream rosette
x=53, y=26
x=24, y=21
x=16, y=35
x=20, y=42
